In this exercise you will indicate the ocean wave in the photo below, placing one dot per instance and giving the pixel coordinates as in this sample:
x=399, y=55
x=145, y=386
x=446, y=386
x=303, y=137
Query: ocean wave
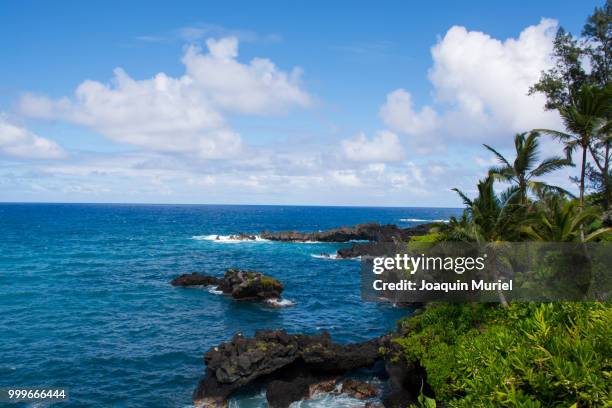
x=227, y=239
x=323, y=400
x=214, y=290
x=422, y=220
x=280, y=302
x=325, y=256
x=335, y=257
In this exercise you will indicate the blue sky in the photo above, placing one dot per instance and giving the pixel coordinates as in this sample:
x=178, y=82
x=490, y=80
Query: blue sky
x=378, y=103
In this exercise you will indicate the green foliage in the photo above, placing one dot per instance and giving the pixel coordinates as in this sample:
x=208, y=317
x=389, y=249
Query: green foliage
x=489, y=217
x=559, y=220
x=428, y=238
x=424, y=401
x=525, y=167
x=529, y=355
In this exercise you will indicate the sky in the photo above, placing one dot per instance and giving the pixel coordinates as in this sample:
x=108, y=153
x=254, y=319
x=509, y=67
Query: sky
x=304, y=103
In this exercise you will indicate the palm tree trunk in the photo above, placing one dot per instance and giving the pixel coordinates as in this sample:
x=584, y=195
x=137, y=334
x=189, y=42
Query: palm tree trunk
x=606, y=177
x=582, y=173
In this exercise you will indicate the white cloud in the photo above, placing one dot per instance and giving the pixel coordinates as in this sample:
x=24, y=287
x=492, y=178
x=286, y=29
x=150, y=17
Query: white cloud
x=20, y=142
x=480, y=89
x=346, y=178
x=183, y=114
x=398, y=113
x=255, y=88
x=384, y=147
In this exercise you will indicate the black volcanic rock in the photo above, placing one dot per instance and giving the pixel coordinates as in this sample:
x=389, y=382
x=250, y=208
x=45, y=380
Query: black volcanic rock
x=240, y=284
x=382, y=248
x=281, y=393
x=291, y=364
x=363, y=249
x=250, y=285
x=195, y=279
x=358, y=389
x=362, y=232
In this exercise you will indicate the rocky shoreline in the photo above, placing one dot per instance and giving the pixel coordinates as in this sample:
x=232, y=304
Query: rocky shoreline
x=361, y=232
x=293, y=367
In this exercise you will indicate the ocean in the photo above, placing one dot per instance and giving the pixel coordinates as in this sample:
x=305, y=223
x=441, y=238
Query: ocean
x=86, y=304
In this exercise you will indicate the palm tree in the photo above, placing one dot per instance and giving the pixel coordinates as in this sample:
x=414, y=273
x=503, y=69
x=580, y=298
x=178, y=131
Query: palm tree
x=490, y=220
x=559, y=220
x=525, y=168
x=582, y=119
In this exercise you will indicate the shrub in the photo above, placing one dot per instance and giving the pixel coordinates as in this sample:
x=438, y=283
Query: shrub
x=529, y=355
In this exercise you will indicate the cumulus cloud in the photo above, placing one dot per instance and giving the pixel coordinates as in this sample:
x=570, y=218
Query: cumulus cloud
x=385, y=146
x=398, y=113
x=20, y=142
x=255, y=88
x=183, y=114
x=480, y=87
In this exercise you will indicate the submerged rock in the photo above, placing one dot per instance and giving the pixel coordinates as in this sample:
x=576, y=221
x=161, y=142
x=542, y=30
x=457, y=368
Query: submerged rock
x=358, y=389
x=322, y=387
x=290, y=364
x=240, y=284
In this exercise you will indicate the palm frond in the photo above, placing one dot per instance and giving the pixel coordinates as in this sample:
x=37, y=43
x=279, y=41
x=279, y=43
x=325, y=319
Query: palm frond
x=464, y=197
x=499, y=156
x=549, y=165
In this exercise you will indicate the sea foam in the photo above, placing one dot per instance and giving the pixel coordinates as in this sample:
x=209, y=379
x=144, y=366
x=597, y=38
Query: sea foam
x=227, y=239
x=421, y=220
x=280, y=302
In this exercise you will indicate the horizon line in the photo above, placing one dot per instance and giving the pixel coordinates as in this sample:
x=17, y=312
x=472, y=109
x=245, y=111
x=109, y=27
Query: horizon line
x=223, y=204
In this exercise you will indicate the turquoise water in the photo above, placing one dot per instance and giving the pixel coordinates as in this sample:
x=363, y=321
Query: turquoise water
x=85, y=301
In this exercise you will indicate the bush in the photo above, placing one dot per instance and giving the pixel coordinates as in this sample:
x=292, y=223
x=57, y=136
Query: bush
x=529, y=355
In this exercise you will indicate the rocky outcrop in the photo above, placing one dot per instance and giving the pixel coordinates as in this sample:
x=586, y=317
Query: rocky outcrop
x=240, y=284
x=361, y=232
x=195, y=279
x=290, y=365
x=250, y=285
x=406, y=380
x=382, y=248
x=360, y=249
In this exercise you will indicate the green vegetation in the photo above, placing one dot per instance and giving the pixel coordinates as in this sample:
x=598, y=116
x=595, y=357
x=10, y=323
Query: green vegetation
x=268, y=282
x=532, y=354
x=528, y=355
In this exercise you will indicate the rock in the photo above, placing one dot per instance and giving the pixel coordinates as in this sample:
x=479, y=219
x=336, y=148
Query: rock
x=211, y=403
x=366, y=232
x=281, y=393
x=322, y=387
x=241, y=285
x=360, y=249
x=195, y=279
x=406, y=380
x=295, y=361
x=243, y=237
x=250, y=285
x=382, y=248
x=358, y=389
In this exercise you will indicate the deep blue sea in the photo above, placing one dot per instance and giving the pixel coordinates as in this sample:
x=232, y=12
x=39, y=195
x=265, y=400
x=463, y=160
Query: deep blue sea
x=85, y=301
